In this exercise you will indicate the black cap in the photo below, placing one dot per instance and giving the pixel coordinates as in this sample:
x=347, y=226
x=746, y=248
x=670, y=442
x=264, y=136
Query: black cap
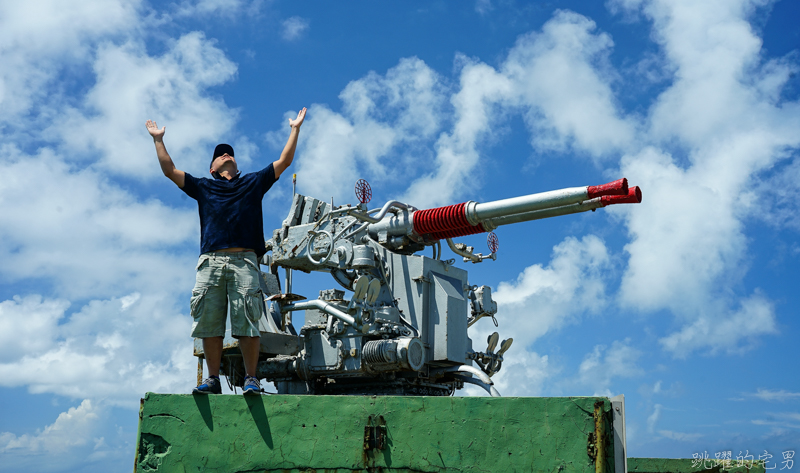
x=221, y=149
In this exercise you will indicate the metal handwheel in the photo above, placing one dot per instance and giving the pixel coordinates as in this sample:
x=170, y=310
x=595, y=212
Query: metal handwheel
x=310, y=245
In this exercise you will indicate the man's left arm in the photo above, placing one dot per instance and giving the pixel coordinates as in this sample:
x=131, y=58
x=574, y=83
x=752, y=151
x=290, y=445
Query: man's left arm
x=288, y=151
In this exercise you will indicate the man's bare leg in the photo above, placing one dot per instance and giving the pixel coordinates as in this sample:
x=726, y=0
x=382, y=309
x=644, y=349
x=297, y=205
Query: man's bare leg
x=250, y=348
x=212, y=350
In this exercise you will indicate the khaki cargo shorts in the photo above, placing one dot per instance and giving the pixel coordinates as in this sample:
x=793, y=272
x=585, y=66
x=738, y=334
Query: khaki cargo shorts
x=223, y=279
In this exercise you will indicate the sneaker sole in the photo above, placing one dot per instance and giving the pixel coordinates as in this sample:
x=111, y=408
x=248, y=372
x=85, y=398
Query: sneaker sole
x=250, y=392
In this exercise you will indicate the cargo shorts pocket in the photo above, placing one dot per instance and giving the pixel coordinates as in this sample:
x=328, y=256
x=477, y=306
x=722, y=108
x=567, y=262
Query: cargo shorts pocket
x=202, y=259
x=196, y=303
x=254, y=304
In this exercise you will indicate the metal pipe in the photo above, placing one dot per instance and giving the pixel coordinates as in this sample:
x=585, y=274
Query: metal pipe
x=470, y=256
x=288, y=270
x=489, y=388
x=474, y=372
x=324, y=307
x=364, y=217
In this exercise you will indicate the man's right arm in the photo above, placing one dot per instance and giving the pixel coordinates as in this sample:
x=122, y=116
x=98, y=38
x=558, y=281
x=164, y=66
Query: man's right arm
x=167, y=166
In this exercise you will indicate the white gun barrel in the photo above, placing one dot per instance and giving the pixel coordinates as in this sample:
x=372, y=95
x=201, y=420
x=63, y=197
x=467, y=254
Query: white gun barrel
x=472, y=217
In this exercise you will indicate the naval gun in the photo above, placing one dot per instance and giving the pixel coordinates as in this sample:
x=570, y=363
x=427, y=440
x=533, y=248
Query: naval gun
x=398, y=324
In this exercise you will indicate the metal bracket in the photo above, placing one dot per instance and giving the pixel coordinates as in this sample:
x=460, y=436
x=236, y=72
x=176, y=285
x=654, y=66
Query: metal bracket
x=375, y=433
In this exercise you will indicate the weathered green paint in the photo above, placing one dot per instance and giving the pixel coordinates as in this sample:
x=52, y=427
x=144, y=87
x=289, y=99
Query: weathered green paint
x=234, y=433
x=671, y=465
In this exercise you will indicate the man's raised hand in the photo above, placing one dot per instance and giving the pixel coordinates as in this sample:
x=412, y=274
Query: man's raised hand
x=299, y=120
x=157, y=134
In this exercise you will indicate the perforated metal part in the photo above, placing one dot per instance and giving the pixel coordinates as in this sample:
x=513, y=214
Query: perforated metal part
x=363, y=191
x=492, y=242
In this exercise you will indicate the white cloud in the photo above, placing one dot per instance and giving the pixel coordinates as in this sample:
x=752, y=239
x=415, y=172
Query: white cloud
x=559, y=80
x=379, y=113
x=84, y=438
x=680, y=436
x=721, y=331
x=225, y=8
x=653, y=418
x=90, y=238
x=603, y=364
x=773, y=395
x=113, y=350
x=36, y=333
x=72, y=429
x=109, y=128
x=293, y=28
x=776, y=199
x=39, y=37
x=543, y=299
x=724, y=123
x=483, y=6
x=564, y=79
x=523, y=373
x=456, y=152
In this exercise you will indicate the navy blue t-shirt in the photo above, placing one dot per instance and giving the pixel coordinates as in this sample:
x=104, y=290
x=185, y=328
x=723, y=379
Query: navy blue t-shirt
x=230, y=211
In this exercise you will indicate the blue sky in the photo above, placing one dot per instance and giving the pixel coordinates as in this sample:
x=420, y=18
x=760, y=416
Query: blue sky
x=685, y=303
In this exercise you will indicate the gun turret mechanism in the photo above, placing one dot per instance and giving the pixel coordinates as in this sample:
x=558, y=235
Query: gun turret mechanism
x=403, y=330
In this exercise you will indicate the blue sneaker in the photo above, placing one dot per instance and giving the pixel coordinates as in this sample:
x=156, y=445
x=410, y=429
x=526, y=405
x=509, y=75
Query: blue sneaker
x=251, y=386
x=209, y=386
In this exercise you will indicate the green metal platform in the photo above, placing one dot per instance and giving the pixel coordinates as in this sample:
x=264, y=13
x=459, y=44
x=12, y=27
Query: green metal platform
x=672, y=465
x=234, y=433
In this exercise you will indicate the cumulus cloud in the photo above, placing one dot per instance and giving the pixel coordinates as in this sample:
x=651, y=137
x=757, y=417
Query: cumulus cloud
x=724, y=331
x=171, y=89
x=564, y=78
x=523, y=373
x=36, y=334
x=603, y=364
x=557, y=79
x=293, y=28
x=72, y=429
x=39, y=37
x=113, y=349
x=543, y=299
x=89, y=237
x=722, y=114
x=380, y=112
x=78, y=440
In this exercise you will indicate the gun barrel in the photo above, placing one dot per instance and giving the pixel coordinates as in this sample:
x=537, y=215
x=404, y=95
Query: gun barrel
x=468, y=218
x=634, y=197
x=543, y=200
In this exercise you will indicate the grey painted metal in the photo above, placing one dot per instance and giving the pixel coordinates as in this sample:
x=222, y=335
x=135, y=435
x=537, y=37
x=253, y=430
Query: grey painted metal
x=591, y=204
x=324, y=307
x=365, y=217
x=480, y=375
x=620, y=443
x=477, y=213
x=393, y=225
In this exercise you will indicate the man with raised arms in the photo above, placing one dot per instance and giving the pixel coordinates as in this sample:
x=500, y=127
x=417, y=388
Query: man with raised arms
x=231, y=244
